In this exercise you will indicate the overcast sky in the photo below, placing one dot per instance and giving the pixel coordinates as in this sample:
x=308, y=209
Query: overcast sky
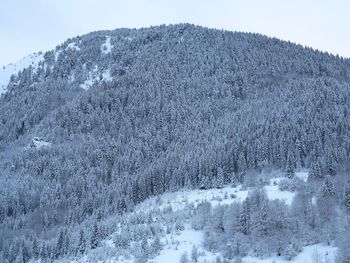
x=28, y=26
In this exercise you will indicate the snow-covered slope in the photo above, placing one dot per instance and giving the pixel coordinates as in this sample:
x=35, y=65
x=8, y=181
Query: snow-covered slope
x=178, y=245
x=14, y=68
x=226, y=195
x=94, y=77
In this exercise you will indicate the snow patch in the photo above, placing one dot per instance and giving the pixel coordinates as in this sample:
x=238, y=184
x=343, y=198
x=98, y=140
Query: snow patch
x=57, y=53
x=302, y=175
x=13, y=68
x=316, y=253
x=106, y=76
x=224, y=196
x=73, y=46
x=179, y=200
x=94, y=77
x=273, y=192
x=107, y=46
x=38, y=143
x=177, y=245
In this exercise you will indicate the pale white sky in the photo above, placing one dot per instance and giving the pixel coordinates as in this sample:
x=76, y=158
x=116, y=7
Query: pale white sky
x=28, y=26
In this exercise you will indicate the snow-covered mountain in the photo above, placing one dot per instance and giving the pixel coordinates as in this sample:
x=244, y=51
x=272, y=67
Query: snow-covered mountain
x=140, y=143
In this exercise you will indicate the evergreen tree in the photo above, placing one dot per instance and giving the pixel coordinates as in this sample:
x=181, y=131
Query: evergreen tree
x=44, y=253
x=347, y=197
x=245, y=217
x=59, y=244
x=331, y=164
x=81, y=243
x=194, y=254
x=35, y=248
x=220, y=178
x=94, y=237
x=328, y=187
x=316, y=171
x=290, y=169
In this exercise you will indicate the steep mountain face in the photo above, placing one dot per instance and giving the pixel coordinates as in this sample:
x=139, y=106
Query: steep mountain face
x=127, y=114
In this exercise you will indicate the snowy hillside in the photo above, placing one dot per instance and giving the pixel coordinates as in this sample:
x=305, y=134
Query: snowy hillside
x=138, y=144
x=224, y=196
x=14, y=68
x=185, y=243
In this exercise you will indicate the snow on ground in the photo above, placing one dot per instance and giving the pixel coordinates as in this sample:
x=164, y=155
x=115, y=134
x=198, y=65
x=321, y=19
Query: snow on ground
x=175, y=245
x=74, y=46
x=14, y=68
x=227, y=195
x=302, y=175
x=96, y=76
x=178, y=200
x=106, y=76
x=178, y=245
x=38, y=143
x=316, y=253
x=107, y=46
x=273, y=192
x=57, y=54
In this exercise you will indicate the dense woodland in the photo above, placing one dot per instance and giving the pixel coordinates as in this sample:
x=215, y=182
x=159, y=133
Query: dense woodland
x=187, y=107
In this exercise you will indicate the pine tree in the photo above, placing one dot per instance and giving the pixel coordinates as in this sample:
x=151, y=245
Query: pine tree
x=242, y=166
x=331, y=164
x=156, y=246
x=25, y=252
x=326, y=202
x=59, y=244
x=82, y=243
x=245, y=217
x=35, y=248
x=95, y=236
x=347, y=197
x=194, y=254
x=46, y=220
x=220, y=178
x=44, y=254
x=66, y=243
x=328, y=187
x=316, y=171
x=184, y=258
x=290, y=169
x=262, y=227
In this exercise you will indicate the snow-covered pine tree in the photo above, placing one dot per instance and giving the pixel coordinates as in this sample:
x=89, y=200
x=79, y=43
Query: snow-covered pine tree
x=315, y=172
x=328, y=187
x=81, y=243
x=35, y=248
x=94, y=236
x=59, y=244
x=347, y=197
x=245, y=217
x=220, y=178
